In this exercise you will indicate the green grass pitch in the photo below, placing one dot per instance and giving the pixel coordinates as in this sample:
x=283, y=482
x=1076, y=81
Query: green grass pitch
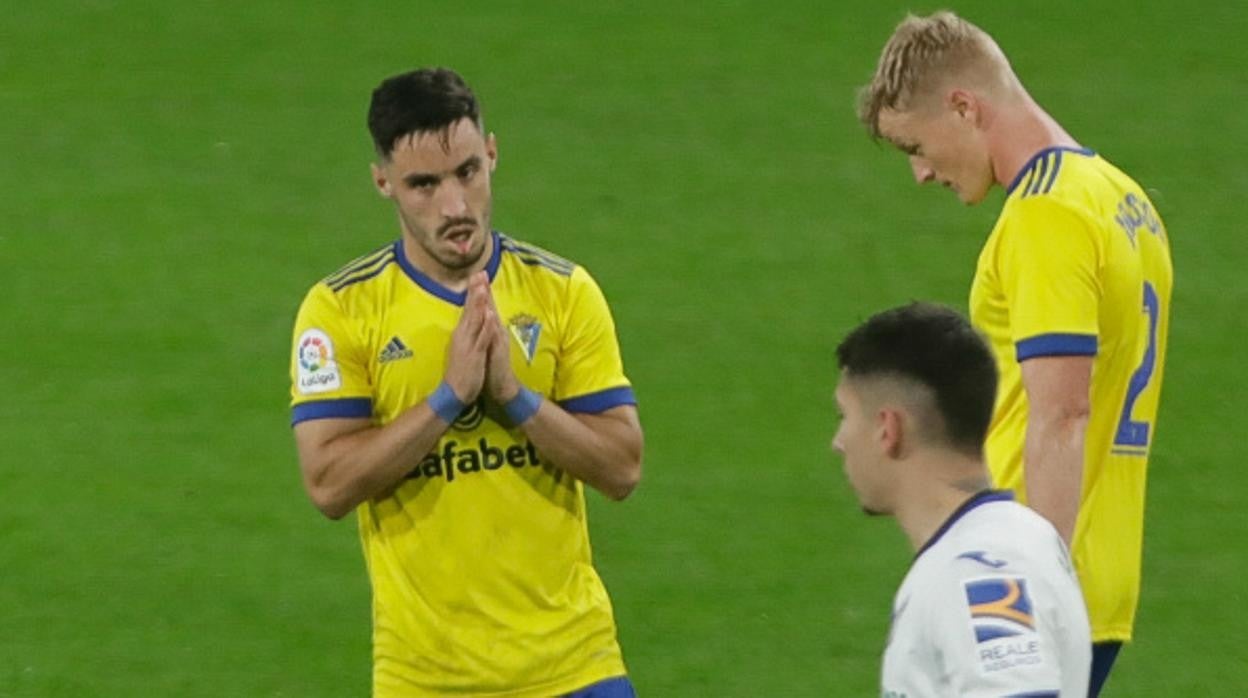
x=175, y=175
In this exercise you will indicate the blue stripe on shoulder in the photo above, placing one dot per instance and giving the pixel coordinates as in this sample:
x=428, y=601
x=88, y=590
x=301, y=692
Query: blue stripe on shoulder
x=1029, y=167
x=1057, y=165
x=1042, y=167
x=600, y=401
x=536, y=252
x=1028, y=171
x=363, y=275
x=534, y=249
x=359, y=263
x=349, y=407
x=515, y=248
x=1056, y=344
x=1031, y=174
x=536, y=262
x=533, y=256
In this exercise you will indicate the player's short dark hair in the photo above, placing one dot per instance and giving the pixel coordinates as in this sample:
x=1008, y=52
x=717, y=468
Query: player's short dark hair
x=427, y=100
x=937, y=348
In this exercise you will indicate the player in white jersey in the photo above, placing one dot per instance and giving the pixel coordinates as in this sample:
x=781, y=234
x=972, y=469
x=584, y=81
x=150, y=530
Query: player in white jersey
x=991, y=605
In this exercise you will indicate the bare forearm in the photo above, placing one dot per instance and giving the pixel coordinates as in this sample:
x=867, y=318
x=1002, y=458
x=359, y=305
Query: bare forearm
x=353, y=467
x=1053, y=469
x=602, y=451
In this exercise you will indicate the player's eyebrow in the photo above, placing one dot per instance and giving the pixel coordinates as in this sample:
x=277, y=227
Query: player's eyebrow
x=471, y=161
x=419, y=179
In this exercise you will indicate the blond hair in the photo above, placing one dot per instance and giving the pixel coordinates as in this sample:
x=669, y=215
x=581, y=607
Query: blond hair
x=921, y=54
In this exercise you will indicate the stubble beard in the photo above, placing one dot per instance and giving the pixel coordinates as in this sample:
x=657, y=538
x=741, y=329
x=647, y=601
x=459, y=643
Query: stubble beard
x=450, y=261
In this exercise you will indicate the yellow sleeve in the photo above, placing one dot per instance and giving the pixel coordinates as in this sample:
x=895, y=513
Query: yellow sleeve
x=1050, y=257
x=328, y=364
x=590, y=374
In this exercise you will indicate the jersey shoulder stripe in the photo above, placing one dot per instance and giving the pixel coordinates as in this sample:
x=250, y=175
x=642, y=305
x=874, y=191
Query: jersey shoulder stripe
x=537, y=262
x=1040, y=173
x=533, y=252
x=365, y=272
x=536, y=256
x=355, y=265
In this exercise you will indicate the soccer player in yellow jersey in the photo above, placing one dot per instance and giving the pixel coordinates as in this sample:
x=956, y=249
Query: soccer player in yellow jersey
x=455, y=388
x=1072, y=290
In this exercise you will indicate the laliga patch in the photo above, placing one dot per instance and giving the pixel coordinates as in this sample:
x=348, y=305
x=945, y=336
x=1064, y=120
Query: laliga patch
x=318, y=372
x=526, y=329
x=1003, y=622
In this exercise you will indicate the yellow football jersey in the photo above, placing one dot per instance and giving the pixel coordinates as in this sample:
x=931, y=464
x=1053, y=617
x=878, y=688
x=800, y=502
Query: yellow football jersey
x=1078, y=263
x=480, y=559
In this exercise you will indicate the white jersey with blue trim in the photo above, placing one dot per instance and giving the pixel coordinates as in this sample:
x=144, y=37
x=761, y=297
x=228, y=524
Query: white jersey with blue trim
x=990, y=607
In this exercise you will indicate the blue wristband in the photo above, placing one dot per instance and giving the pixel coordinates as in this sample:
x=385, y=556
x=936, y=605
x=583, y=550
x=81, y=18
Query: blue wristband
x=445, y=403
x=523, y=406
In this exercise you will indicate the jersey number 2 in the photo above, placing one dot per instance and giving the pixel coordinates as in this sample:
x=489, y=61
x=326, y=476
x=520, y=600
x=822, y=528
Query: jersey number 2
x=1135, y=434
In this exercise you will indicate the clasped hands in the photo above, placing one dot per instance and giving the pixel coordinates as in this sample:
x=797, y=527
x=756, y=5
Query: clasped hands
x=479, y=357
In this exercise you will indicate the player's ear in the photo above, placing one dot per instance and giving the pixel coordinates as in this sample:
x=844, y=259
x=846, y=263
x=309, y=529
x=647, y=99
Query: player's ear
x=381, y=181
x=964, y=104
x=491, y=150
x=890, y=432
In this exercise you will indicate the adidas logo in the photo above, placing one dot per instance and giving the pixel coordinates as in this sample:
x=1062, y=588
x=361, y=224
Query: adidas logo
x=395, y=350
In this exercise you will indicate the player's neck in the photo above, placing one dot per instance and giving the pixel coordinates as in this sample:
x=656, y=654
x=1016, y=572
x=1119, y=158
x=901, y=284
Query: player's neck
x=930, y=501
x=455, y=280
x=1019, y=132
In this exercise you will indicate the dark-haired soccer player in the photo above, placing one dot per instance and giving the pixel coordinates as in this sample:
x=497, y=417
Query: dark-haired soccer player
x=1072, y=289
x=455, y=388
x=991, y=605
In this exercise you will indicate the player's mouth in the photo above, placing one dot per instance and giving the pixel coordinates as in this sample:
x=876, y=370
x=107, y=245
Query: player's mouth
x=460, y=237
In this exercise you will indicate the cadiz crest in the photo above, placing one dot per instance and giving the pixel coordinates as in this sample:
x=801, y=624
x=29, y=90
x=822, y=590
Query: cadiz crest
x=526, y=329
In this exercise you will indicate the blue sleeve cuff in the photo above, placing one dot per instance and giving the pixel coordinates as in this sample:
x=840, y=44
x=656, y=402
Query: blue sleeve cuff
x=1055, y=345
x=600, y=401
x=351, y=407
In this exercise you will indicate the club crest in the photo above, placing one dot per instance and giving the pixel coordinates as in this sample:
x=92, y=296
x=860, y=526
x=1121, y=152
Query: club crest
x=526, y=329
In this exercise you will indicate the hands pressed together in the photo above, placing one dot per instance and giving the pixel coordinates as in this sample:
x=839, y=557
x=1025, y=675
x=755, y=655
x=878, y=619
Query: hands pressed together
x=480, y=353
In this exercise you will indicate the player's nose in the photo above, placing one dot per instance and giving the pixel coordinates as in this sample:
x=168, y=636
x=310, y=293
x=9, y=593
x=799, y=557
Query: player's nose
x=923, y=172
x=454, y=203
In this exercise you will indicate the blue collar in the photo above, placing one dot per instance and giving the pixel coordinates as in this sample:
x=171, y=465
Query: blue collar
x=975, y=500
x=437, y=289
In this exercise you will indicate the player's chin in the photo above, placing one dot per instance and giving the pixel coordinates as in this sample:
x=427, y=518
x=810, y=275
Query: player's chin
x=971, y=198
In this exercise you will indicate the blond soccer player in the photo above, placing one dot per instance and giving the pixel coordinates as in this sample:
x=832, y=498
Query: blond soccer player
x=1072, y=289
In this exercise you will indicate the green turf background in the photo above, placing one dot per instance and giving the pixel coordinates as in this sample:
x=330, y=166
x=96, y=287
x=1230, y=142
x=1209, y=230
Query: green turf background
x=173, y=176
